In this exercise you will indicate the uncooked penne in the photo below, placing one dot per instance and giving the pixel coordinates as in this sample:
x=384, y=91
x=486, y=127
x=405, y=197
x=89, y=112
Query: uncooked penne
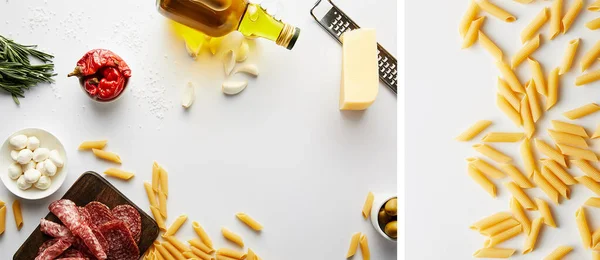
x=163, y=251
x=596, y=133
x=222, y=257
x=595, y=6
x=590, y=56
x=164, y=181
x=500, y=227
x=555, y=18
x=584, y=229
x=249, y=221
x=231, y=253
x=516, y=176
x=519, y=212
x=593, y=24
x=509, y=75
x=524, y=1
x=480, y=179
x=568, y=139
x=534, y=25
x=587, y=78
x=202, y=234
x=569, y=128
x=549, y=151
x=538, y=76
x=494, y=253
x=595, y=255
x=496, y=11
x=366, y=210
x=2, y=217
x=251, y=254
x=468, y=17
x=595, y=237
x=492, y=153
x=177, y=243
x=536, y=226
x=108, y=156
x=88, y=145
x=578, y=153
x=553, y=87
x=534, y=105
x=546, y=187
x=571, y=14
x=199, y=253
x=173, y=250
x=472, y=33
x=155, y=176
x=589, y=183
x=200, y=245
x=559, y=253
x=490, y=221
x=503, y=236
x=474, y=130
x=593, y=202
x=527, y=156
x=525, y=51
x=353, y=244
x=559, y=171
x=509, y=110
x=567, y=60
x=490, y=46
x=545, y=212
x=158, y=218
x=175, y=226
x=502, y=137
x=520, y=195
x=233, y=237
x=162, y=203
x=364, y=247
x=16, y=207
x=150, y=194
x=527, y=118
x=510, y=96
x=118, y=173
x=485, y=167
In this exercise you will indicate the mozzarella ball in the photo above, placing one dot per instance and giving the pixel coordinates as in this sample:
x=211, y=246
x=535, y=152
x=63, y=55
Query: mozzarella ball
x=43, y=183
x=56, y=159
x=29, y=165
x=49, y=167
x=18, y=142
x=33, y=143
x=40, y=167
x=41, y=154
x=14, y=155
x=32, y=175
x=22, y=184
x=24, y=156
x=14, y=171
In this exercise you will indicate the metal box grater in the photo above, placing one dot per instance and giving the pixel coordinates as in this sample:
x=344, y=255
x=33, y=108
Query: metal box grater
x=336, y=22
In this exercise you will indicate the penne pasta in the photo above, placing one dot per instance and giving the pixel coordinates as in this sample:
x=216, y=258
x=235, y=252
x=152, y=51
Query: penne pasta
x=541, y=182
x=199, y=253
x=474, y=130
x=492, y=153
x=508, y=110
x=510, y=77
x=480, y=179
x=552, y=153
x=568, y=139
x=494, y=253
x=590, y=56
x=366, y=210
x=88, y=145
x=364, y=247
x=534, y=25
x=490, y=221
x=16, y=207
x=559, y=253
x=520, y=215
x=524, y=1
x=496, y=11
x=595, y=6
x=589, y=183
x=2, y=217
x=485, y=167
x=500, y=227
x=175, y=226
x=177, y=244
x=593, y=24
x=555, y=18
x=545, y=212
x=150, y=194
x=527, y=156
x=536, y=226
x=528, y=124
x=233, y=237
x=525, y=51
x=571, y=14
x=587, y=78
x=596, y=132
x=353, y=245
x=162, y=203
x=490, y=46
x=231, y=253
x=501, y=237
x=164, y=181
x=222, y=257
x=252, y=255
x=578, y=153
x=569, y=128
x=595, y=255
x=200, y=245
x=593, y=202
x=249, y=221
x=108, y=156
x=596, y=237
x=189, y=255
x=163, y=251
x=538, y=76
x=553, y=86
x=118, y=173
x=472, y=33
x=584, y=229
x=534, y=105
x=510, y=96
x=520, y=195
x=567, y=60
x=173, y=251
x=502, y=137
x=559, y=171
x=158, y=218
x=587, y=169
x=516, y=176
x=468, y=17
x=556, y=183
x=155, y=176
x=202, y=234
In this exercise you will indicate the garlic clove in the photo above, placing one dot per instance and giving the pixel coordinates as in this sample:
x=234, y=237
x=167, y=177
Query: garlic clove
x=214, y=44
x=233, y=87
x=193, y=46
x=18, y=141
x=247, y=68
x=56, y=159
x=242, y=53
x=188, y=95
x=229, y=62
x=33, y=143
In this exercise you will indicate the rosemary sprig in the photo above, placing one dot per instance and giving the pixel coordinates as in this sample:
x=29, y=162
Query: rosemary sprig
x=16, y=72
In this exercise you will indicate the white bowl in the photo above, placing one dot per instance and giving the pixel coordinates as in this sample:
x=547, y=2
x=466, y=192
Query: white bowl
x=378, y=202
x=47, y=140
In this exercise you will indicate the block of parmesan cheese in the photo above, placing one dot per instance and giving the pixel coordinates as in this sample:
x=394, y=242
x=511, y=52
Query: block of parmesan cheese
x=360, y=78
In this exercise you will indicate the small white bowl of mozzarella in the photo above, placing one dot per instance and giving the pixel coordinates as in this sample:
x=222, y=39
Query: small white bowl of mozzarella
x=33, y=163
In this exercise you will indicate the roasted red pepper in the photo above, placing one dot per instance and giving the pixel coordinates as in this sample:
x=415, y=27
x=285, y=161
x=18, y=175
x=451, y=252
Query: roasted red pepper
x=103, y=72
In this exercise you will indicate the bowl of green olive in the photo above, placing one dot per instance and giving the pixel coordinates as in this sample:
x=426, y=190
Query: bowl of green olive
x=384, y=216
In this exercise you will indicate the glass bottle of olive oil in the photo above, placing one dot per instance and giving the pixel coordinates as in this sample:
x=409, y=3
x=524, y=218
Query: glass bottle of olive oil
x=217, y=18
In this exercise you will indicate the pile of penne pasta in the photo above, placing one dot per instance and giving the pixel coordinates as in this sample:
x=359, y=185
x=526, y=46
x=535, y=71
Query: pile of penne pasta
x=524, y=106
x=97, y=148
x=172, y=248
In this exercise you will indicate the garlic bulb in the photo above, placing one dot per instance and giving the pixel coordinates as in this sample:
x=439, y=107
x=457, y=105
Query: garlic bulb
x=33, y=143
x=50, y=168
x=18, y=142
x=24, y=156
x=56, y=159
x=233, y=87
x=41, y=154
x=22, y=184
x=43, y=183
x=32, y=175
x=14, y=171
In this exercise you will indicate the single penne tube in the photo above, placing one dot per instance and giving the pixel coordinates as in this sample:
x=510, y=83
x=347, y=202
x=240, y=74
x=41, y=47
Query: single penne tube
x=233, y=237
x=556, y=18
x=2, y=217
x=222, y=257
x=520, y=195
x=589, y=183
x=587, y=78
x=503, y=137
x=595, y=6
x=519, y=212
x=578, y=153
x=252, y=255
x=173, y=250
x=468, y=17
x=200, y=245
x=249, y=221
x=473, y=32
x=516, y=176
x=353, y=245
x=596, y=133
x=490, y=221
x=485, y=167
x=364, y=247
x=587, y=169
x=567, y=60
x=163, y=251
x=158, y=218
x=508, y=110
x=88, y=145
x=584, y=229
x=366, y=210
x=538, y=76
x=155, y=176
x=552, y=153
x=18, y=215
x=118, y=173
x=158, y=255
x=480, y=179
x=496, y=11
x=150, y=194
x=590, y=56
x=525, y=51
x=177, y=243
x=190, y=255
x=593, y=202
x=534, y=104
x=540, y=19
x=545, y=212
x=108, y=156
x=164, y=181
x=503, y=236
x=175, y=226
x=500, y=227
x=596, y=237
x=511, y=78
x=536, y=226
x=231, y=253
x=559, y=253
x=569, y=128
x=162, y=203
x=527, y=118
x=527, y=156
x=510, y=96
x=559, y=171
x=474, y=130
x=571, y=14
x=593, y=24
x=550, y=191
x=492, y=153
x=553, y=86
x=568, y=139
x=199, y=253
x=490, y=46
x=494, y=253
x=202, y=234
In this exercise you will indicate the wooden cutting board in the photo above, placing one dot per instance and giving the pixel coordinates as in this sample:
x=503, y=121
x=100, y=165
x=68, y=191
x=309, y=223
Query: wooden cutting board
x=89, y=187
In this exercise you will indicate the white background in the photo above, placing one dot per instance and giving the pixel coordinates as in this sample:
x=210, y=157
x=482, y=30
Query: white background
x=448, y=90
x=280, y=151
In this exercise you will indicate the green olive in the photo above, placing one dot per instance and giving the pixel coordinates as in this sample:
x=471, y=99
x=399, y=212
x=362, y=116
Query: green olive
x=391, y=229
x=383, y=218
x=391, y=207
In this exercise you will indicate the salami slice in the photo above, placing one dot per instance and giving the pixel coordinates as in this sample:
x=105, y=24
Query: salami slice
x=72, y=253
x=73, y=258
x=87, y=219
x=54, y=250
x=46, y=244
x=85, y=216
x=99, y=213
x=55, y=230
x=132, y=219
x=120, y=243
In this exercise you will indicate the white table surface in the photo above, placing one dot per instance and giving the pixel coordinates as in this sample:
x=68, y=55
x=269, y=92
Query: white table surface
x=448, y=90
x=280, y=151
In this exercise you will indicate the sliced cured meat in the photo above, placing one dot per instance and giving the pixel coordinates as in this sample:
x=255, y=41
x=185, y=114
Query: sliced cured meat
x=85, y=216
x=132, y=219
x=72, y=253
x=46, y=244
x=121, y=245
x=99, y=213
x=54, y=250
x=55, y=230
x=73, y=258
